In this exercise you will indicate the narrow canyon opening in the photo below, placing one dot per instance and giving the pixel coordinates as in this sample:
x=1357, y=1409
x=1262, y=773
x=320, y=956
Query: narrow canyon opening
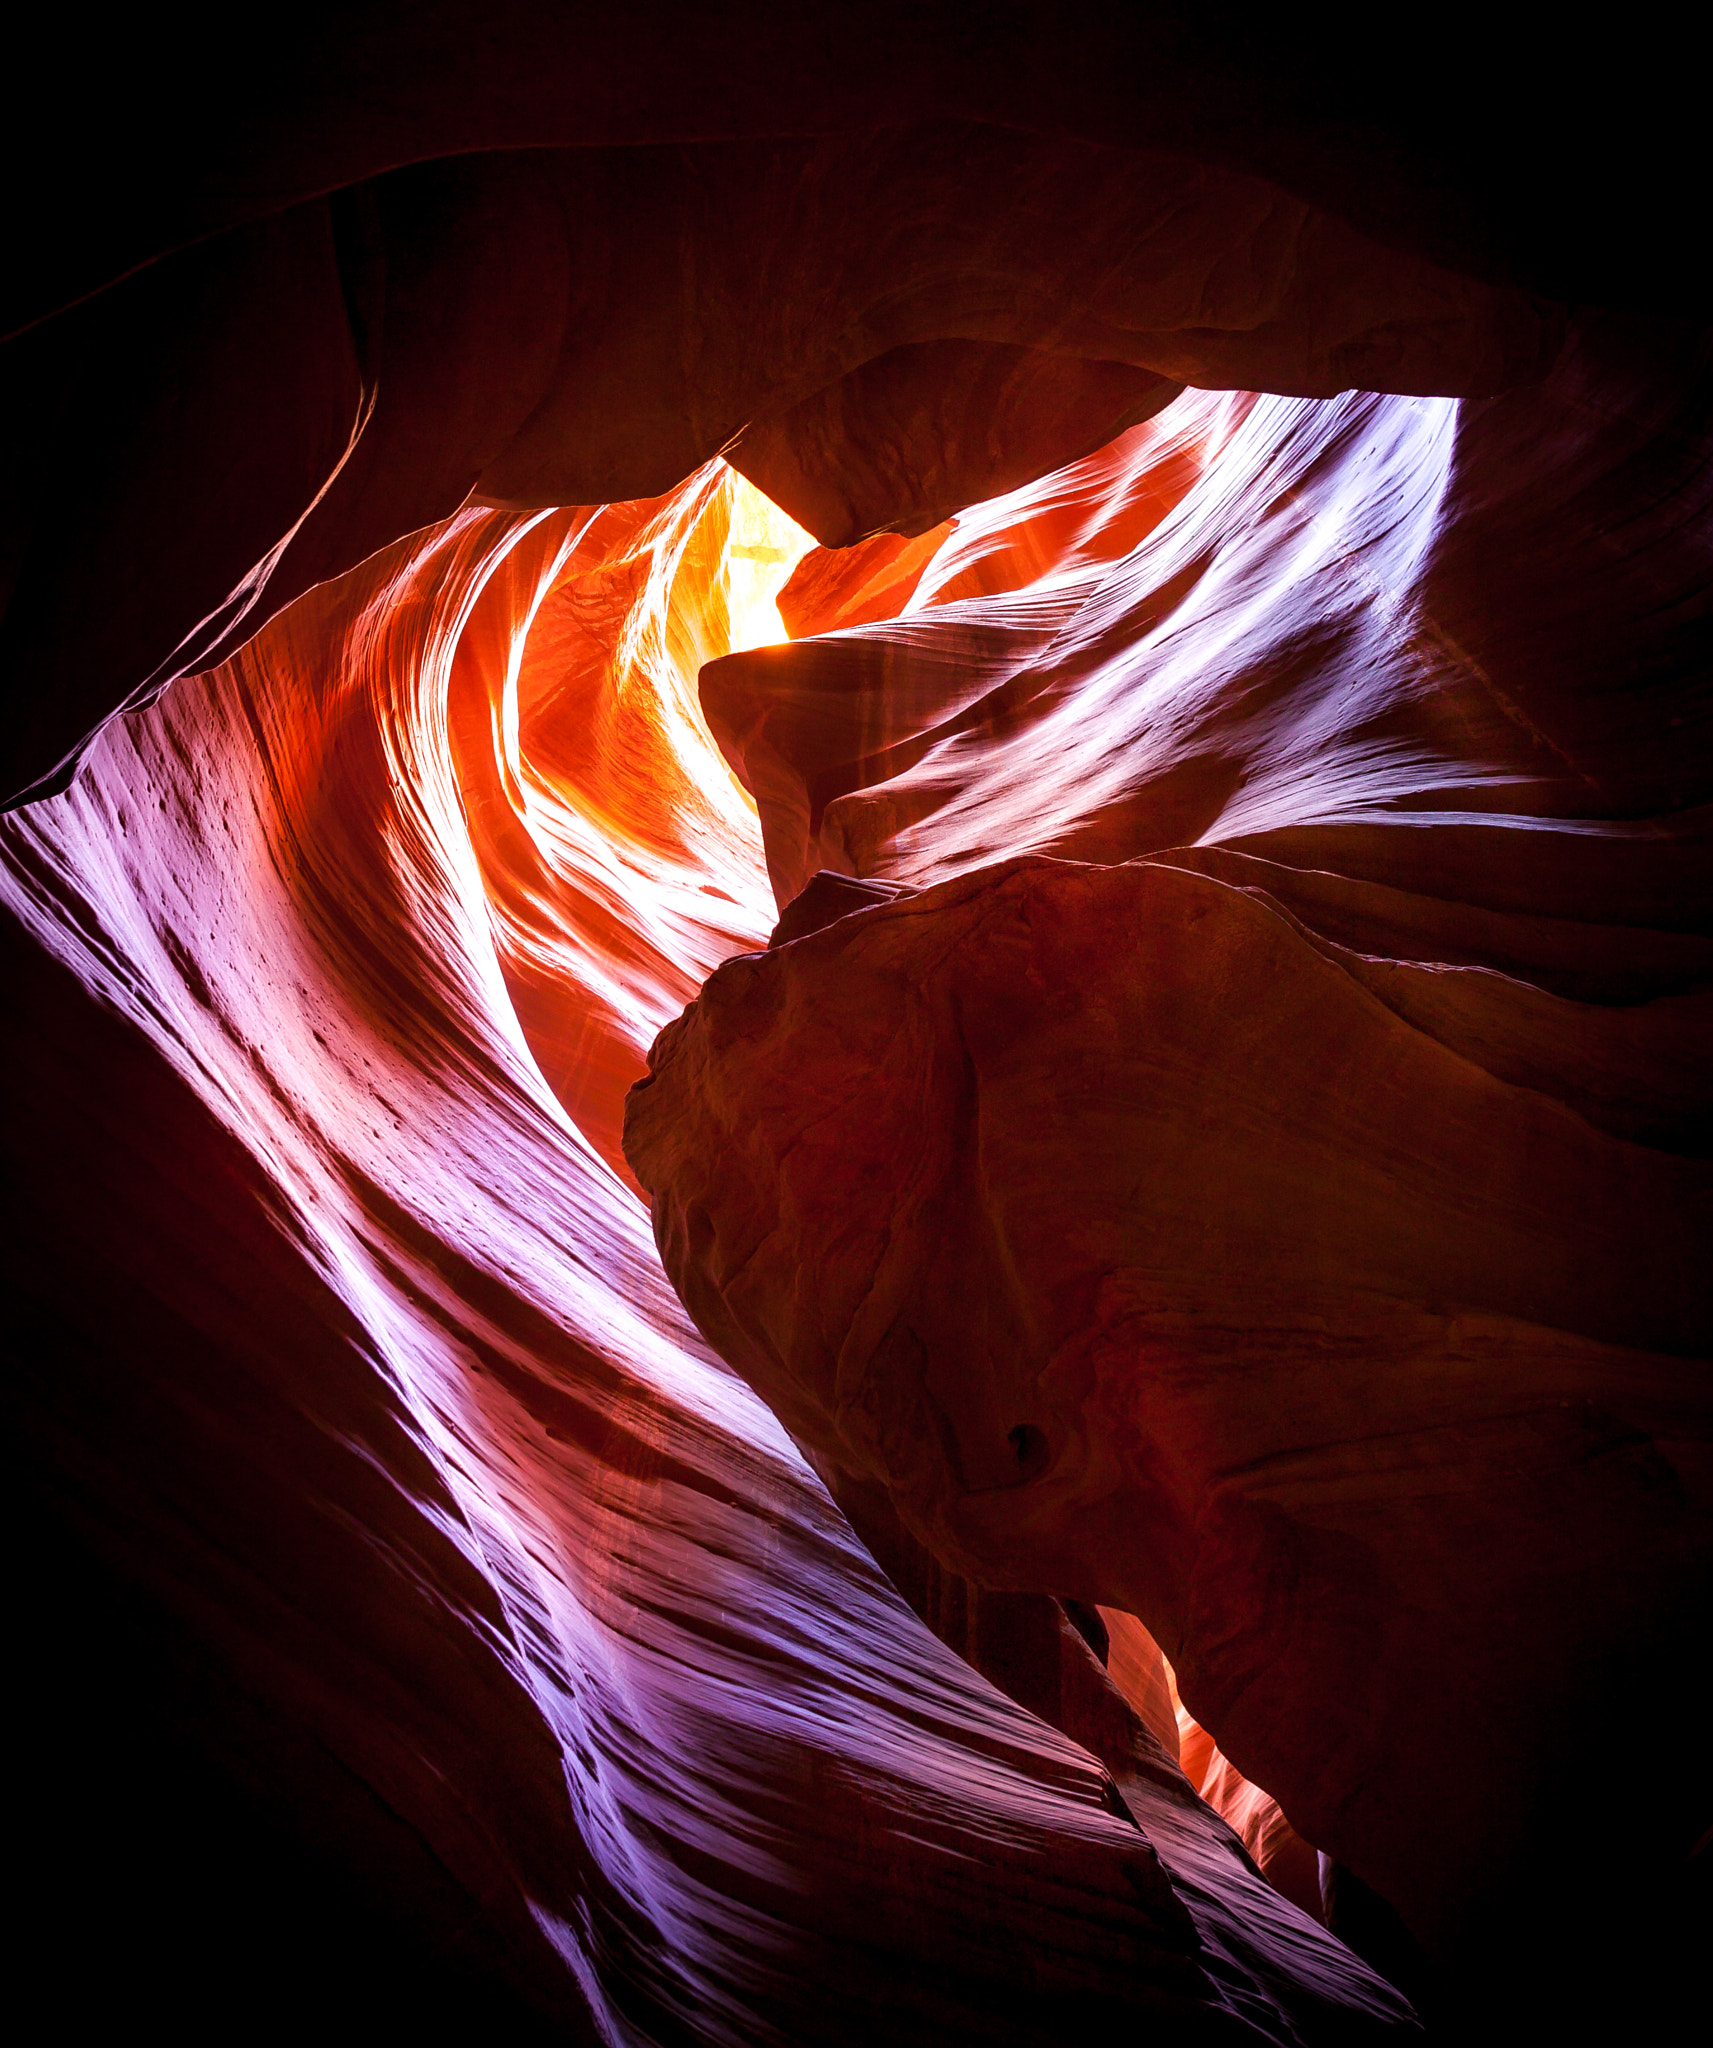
x=858, y=1049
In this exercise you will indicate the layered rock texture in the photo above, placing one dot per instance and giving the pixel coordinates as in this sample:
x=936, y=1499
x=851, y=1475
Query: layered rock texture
x=354, y=1360
x=1096, y=628
x=1273, y=1201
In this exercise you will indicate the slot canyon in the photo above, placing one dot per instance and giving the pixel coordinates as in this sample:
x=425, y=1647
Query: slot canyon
x=858, y=1026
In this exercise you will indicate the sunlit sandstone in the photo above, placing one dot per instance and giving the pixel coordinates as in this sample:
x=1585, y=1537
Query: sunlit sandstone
x=421, y=1628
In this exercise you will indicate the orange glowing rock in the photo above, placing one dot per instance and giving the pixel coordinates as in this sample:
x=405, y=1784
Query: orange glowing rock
x=873, y=579
x=261, y=411
x=368, y=1453
x=392, y=1411
x=617, y=851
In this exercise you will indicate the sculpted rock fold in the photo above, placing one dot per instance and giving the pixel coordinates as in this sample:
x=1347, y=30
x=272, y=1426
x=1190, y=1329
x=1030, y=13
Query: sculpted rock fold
x=1297, y=1238
x=1117, y=1227
x=345, y=1361
x=1291, y=1225
x=536, y=328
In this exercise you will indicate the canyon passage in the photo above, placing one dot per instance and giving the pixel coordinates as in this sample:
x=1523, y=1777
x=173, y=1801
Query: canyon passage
x=857, y=1025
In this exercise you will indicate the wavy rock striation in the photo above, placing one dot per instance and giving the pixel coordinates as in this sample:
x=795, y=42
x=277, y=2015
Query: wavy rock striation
x=354, y=1368
x=1273, y=1201
x=1238, y=1160
x=258, y=413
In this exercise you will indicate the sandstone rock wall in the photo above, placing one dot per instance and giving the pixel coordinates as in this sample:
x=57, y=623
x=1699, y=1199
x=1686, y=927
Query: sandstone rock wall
x=345, y=1359
x=1284, y=1174
x=412, y=1595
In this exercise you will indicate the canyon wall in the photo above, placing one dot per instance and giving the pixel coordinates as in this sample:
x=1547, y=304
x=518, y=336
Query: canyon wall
x=1186, y=1137
x=1272, y=1199
x=346, y=1358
